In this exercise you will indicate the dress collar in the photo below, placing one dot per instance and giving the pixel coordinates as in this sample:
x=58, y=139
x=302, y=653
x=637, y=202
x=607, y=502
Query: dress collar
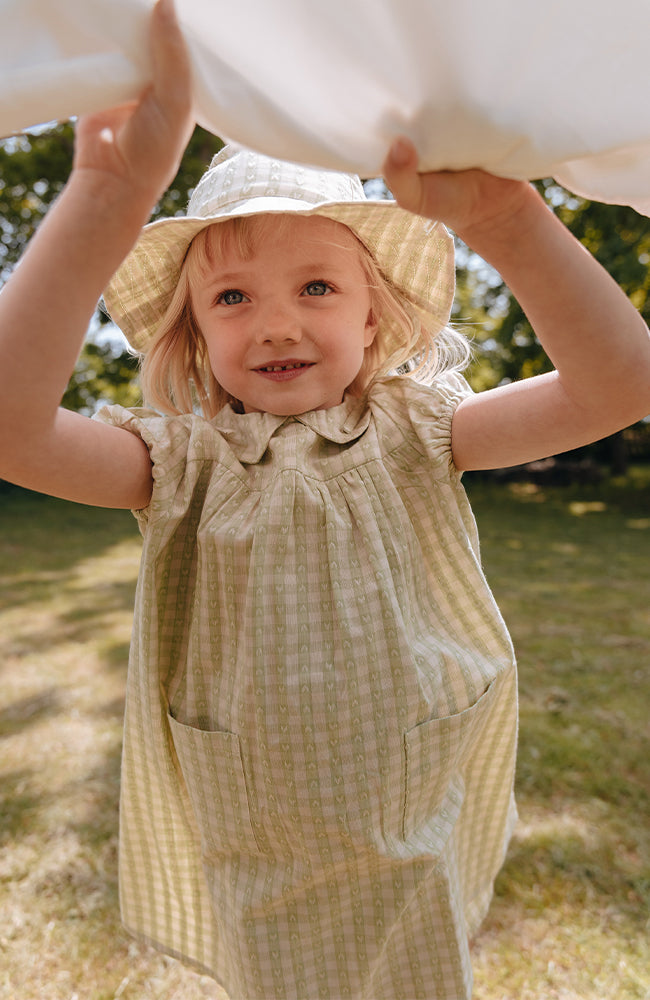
x=249, y=434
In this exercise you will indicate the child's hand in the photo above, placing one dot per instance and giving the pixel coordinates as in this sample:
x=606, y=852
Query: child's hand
x=470, y=202
x=139, y=145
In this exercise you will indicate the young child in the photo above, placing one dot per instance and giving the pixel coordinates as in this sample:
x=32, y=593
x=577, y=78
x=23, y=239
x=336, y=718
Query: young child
x=321, y=708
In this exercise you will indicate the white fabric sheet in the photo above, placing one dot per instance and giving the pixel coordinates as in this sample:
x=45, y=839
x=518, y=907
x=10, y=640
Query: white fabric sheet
x=559, y=88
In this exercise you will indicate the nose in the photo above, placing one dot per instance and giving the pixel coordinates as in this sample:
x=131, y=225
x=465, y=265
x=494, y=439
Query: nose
x=278, y=323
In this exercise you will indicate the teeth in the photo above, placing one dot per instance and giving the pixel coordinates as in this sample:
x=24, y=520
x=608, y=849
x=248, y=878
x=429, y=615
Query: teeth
x=281, y=368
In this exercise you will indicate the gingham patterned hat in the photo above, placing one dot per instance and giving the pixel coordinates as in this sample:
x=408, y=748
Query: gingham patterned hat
x=415, y=254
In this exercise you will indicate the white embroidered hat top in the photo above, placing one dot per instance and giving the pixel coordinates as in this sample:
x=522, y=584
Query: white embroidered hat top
x=414, y=254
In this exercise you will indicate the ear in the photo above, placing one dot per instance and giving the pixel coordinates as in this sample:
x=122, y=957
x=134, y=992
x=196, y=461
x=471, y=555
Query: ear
x=370, y=332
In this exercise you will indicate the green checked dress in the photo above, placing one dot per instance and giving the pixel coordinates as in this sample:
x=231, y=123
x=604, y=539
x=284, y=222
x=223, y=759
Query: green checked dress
x=321, y=710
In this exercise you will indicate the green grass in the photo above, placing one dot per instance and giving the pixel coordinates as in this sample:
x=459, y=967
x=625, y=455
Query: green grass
x=571, y=571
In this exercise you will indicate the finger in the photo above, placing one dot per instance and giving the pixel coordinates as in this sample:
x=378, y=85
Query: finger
x=401, y=174
x=172, y=84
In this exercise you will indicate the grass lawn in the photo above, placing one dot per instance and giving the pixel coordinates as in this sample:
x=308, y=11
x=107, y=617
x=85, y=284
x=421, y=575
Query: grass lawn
x=571, y=571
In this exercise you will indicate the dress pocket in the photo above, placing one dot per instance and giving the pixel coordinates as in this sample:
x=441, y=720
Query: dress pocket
x=437, y=753
x=213, y=771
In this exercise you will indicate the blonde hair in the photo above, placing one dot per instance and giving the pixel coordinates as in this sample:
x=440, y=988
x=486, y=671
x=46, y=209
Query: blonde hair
x=175, y=370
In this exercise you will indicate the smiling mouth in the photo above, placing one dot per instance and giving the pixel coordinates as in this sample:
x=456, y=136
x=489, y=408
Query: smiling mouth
x=288, y=367
x=285, y=372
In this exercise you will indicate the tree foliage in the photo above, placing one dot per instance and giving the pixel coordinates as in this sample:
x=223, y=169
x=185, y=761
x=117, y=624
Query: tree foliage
x=33, y=170
x=617, y=236
x=104, y=373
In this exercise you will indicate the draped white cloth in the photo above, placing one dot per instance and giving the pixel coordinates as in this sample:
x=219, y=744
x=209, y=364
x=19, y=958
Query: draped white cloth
x=560, y=88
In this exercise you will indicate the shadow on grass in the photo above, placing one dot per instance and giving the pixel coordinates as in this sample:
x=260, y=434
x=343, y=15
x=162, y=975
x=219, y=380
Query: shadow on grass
x=563, y=874
x=94, y=795
x=21, y=808
x=80, y=624
x=45, y=546
x=68, y=868
x=42, y=537
x=16, y=716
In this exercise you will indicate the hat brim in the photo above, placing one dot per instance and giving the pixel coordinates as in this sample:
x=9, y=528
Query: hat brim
x=417, y=255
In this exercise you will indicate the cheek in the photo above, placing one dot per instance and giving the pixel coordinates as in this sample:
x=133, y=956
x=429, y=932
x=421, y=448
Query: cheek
x=220, y=344
x=218, y=357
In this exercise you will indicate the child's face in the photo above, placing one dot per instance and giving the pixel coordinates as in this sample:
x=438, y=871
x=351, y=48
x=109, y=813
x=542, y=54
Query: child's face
x=286, y=329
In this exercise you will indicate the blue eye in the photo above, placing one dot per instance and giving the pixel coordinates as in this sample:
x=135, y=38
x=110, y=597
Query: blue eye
x=231, y=297
x=317, y=288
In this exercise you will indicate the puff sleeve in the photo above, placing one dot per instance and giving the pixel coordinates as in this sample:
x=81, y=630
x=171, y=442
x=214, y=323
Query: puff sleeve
x=422, y=414
x=179, y=448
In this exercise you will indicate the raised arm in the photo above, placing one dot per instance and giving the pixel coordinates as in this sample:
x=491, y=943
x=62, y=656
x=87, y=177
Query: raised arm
x=124, y=160
x=595, y=338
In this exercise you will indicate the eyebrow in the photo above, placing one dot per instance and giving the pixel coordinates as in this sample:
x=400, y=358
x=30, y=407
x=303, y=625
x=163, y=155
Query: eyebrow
x=310, y=268
x=226, y=277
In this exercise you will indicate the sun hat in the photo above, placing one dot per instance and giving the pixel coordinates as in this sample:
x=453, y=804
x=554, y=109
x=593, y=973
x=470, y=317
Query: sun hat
x=415, y=254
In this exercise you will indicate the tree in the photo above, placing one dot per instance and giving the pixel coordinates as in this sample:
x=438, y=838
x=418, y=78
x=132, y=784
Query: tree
x=33, y=169
x=617, y=237
x=104, y=373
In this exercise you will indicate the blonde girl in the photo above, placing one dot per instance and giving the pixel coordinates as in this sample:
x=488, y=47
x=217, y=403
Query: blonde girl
x=321, y=706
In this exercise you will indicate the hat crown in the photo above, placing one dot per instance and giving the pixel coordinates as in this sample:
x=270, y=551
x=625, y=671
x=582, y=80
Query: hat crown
x=237, y=176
